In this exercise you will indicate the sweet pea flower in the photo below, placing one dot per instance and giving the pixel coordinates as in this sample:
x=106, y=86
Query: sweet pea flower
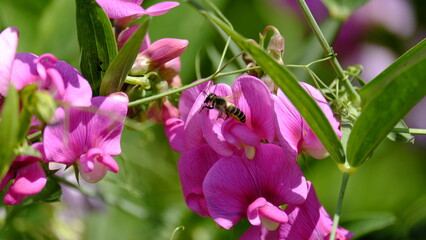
x=307, y=221
x=28, y=178
x=160, y=113
x=236, y=187
x=8, y=46
x=294, y=133
x=89, y=136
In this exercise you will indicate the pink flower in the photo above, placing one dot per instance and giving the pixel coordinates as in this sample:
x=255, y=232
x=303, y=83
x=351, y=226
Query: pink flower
x=308, y=221
x=294, y=133
x=89, y=136
x=8, y=46
x=28, y=178
x=236, y=187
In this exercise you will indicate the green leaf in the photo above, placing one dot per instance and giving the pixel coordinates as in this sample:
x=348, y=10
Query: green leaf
x=9, y=130
x=290, y=86
x=342, y=9
x=400, y=136
x=362, y=224
x=120, y=66
x=386, y=100
x=96, y=40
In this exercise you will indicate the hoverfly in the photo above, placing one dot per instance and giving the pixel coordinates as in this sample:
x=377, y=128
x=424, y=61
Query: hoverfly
x=219, y=103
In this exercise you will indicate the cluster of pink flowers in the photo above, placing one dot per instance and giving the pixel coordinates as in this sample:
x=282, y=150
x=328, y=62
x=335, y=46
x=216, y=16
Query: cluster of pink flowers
x=231, y=170
x=85, y=131
x=82, y=130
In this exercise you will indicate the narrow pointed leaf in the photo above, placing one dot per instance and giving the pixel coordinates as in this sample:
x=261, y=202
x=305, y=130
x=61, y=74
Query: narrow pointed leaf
x=386, y=100
x=9, y=130
x=96, y=40
x=120, y=66
x=297, y=95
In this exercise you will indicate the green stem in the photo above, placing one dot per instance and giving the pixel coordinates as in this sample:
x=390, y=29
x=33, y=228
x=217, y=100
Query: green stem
x=165, y=94
x=345, y=178
x=341, y=75
x=410, y=130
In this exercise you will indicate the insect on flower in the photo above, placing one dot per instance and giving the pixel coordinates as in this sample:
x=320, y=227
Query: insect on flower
x=221, y=104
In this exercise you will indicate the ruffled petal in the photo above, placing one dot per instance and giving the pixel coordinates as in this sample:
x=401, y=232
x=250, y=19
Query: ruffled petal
x=193, y=166
x=29, y=180
x=189, y=96
x=233, y=183
x=8, y=46
x=212, y=120
x=106, y=123
x=117, y=9
x=77, y=89
x=310, y=221
x=252, y=96
x=66, y=140
x=24, y=71
x=161, y=8
x=173, y=128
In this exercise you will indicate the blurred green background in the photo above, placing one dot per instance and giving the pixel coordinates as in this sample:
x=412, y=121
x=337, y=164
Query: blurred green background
x=386, y=199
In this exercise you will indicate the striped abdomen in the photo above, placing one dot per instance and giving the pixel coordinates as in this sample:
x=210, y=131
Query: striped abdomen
x=232, y=110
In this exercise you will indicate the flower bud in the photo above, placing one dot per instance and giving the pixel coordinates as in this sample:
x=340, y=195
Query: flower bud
x=164, y=50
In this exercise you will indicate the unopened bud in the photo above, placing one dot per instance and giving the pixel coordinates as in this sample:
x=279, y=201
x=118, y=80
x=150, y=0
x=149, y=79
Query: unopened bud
x=140, y=66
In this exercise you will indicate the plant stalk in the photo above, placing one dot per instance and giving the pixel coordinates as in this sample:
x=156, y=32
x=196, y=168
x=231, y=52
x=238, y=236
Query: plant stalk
x=341, y=75
x=345, y=178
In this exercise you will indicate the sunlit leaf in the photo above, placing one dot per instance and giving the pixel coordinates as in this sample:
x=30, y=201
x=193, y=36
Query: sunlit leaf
x=120, y=66
x=96, y=40
x=386, y=100
x=9, y=130
x=290, y=86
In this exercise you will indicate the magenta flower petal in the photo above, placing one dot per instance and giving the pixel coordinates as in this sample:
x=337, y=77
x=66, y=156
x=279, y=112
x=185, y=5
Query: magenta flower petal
x=8, y=46
x=193, y=166
x=161, y=8
x=98, y=126
x=105, y=127
x=173, y=128
x=237, y=133
x=12, y=198
x=29, y=180
x=127, y=33
x=293, y=131
x=260, y=232
x=24, y=71
x=261, y=208
x=310, y=221
x=117, y=9
x=95, y=163
x=188, y=97
x=289, y=124
x=252, y=96
x=212, y=123
x=233, y=183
